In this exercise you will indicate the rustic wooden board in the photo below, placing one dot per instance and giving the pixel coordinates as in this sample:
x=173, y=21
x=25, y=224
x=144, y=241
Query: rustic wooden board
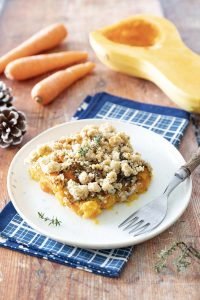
x=32, y=278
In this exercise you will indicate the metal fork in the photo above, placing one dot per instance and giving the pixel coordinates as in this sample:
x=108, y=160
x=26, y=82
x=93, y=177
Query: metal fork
x=152, y=214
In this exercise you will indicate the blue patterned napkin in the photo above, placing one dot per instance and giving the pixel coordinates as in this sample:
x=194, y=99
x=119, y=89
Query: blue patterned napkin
x=17, y=235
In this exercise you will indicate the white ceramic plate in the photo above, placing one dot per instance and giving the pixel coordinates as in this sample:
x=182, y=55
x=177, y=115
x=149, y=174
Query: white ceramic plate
x=28, y=198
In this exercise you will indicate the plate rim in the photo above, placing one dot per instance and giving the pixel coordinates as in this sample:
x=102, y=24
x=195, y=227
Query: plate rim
x=137, y=240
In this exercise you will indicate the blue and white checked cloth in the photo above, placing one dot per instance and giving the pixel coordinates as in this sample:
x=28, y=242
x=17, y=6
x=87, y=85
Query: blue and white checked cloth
x=17, y=235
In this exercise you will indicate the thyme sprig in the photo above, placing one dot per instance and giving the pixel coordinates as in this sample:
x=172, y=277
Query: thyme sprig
x=96, y=141
x=51, y=221
x=83, y=150
x=184, y=259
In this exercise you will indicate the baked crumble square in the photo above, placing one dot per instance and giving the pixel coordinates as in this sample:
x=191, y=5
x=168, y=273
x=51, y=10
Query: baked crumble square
x=92, y=170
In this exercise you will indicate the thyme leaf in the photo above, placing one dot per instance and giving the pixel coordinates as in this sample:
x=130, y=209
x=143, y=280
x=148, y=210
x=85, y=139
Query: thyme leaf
x=96, y=141
x=83, y=150
x=51, y=221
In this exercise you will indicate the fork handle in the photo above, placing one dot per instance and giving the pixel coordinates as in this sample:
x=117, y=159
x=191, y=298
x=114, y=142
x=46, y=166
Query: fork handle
x=193, y=162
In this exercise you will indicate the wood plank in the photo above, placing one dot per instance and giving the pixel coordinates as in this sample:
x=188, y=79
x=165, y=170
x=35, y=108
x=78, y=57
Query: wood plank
x=32, y=278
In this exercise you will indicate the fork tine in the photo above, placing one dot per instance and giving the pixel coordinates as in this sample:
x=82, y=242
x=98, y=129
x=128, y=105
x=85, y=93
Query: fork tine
x=140, y=230
x=128, y=219
x=150, y=227
x=131, y=223
x=136, y=226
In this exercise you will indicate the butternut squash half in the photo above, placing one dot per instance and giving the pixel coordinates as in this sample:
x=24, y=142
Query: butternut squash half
x=150, y=47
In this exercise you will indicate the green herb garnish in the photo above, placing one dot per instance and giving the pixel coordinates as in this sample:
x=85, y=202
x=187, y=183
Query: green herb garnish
x=52, y=221
x=182, y=262
x=97, y=139
x=83, y=150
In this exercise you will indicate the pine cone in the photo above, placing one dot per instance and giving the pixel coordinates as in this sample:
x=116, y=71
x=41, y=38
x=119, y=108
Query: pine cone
x=5, y=95
x=12, y=126
x=196, y=123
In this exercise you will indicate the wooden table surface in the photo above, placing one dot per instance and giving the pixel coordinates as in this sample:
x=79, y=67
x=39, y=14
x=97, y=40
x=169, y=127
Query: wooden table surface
x=23, y=277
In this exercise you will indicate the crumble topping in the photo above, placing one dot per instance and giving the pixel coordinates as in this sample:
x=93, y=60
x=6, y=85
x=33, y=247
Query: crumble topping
x=91, y=164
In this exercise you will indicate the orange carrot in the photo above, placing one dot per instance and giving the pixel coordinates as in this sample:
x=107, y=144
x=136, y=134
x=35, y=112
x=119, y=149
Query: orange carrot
x=49, y=88
x=45, y=39
x=28, y=67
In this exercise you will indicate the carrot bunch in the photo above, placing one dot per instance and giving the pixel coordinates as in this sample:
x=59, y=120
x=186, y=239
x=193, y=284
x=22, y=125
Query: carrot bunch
x=23, y=62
